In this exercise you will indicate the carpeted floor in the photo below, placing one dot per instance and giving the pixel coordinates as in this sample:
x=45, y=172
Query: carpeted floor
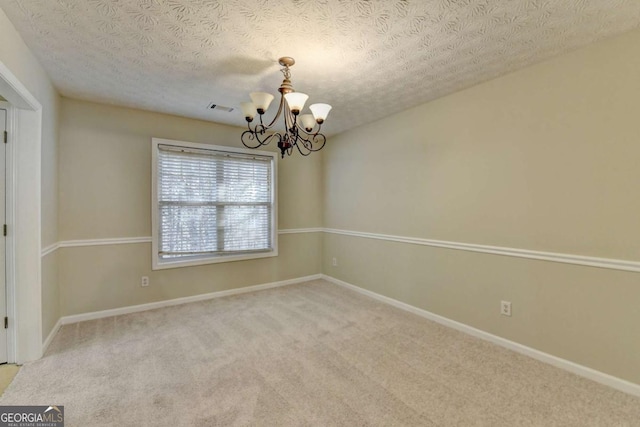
x=304, y=355
x=7, y=372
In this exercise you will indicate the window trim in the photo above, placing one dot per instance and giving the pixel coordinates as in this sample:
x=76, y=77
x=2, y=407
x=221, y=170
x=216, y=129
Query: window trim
x=156, y=262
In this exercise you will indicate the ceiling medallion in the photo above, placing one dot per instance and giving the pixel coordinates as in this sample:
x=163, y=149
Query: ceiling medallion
x=299, y=132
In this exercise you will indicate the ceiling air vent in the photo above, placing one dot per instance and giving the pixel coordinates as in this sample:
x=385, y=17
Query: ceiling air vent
x=214, y=106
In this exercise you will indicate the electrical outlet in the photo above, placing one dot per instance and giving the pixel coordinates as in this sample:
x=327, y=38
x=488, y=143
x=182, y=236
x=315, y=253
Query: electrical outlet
x=505, y=308
x=335, y=262
x=144, y=281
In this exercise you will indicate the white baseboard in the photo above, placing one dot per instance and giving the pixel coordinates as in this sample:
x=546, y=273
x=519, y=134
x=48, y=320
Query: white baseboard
x=177, y=301
x=52, y=334
x=583, y=371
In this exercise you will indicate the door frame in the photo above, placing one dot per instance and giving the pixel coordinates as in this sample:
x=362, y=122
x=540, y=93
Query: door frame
x=23, y=217
x=10, y=284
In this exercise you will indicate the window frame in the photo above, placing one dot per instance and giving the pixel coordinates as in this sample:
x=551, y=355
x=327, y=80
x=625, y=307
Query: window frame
x=157, y=262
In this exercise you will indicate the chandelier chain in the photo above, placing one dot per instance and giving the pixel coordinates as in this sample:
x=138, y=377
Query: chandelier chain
x=286, y=71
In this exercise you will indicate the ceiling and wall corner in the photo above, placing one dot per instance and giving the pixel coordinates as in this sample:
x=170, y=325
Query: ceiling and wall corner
x=368, y=59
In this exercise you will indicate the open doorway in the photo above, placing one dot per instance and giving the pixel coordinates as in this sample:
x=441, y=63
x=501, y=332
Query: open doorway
x=4, y=112
x=22, y=205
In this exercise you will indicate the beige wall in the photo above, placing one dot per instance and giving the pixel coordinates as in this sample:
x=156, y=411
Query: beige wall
x=105, y=277
x=105, y=192
x=17, y=57
x=545, y=158
x=50, y=293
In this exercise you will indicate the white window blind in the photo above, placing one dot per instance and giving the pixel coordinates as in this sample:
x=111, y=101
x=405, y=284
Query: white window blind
x=213, y=203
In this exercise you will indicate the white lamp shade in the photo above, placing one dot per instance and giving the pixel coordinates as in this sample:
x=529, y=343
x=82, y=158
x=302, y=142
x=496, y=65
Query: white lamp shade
x=308, y=122
x=261, y=100
x=296, y=100
x=248, y=109
x=320, y=111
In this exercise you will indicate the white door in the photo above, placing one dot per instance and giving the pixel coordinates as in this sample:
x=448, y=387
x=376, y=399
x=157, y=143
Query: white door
x=3, y=280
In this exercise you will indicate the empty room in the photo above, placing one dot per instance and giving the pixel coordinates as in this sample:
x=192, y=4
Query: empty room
x=320, y=213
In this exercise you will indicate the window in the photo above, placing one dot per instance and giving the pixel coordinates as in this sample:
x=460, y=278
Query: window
x=211, y=204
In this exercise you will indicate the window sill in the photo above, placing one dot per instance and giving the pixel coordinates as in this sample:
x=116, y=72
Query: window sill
x=162, y=265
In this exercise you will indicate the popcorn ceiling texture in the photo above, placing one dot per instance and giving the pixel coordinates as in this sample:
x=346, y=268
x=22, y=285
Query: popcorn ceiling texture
x=368, y=59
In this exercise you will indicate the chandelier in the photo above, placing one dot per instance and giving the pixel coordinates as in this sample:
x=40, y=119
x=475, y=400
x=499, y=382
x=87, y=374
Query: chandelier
x=300, y=131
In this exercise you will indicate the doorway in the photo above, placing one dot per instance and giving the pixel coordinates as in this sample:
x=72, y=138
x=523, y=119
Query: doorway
x=3, y=231
x=23, y=201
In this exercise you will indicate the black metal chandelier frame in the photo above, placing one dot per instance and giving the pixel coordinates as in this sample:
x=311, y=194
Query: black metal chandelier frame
x=306, y=140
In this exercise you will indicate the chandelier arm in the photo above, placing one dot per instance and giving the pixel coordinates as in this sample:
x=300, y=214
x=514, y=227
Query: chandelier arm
x=288, y=119
x=278, y=113
x=250, y=135
x=304, y=153
x=316, y=143
x=306, y=145
x=292, y=128
x=294, y=125
x=259, y=129
x=324, y=141
x=303, y=139
x=268, y=139
x=320, y=136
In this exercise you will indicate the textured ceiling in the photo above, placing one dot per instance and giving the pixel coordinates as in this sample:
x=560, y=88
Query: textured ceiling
x=368, y=58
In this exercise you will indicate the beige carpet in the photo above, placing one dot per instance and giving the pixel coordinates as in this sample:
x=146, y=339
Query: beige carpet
x=303, y=355
x=7, y=373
